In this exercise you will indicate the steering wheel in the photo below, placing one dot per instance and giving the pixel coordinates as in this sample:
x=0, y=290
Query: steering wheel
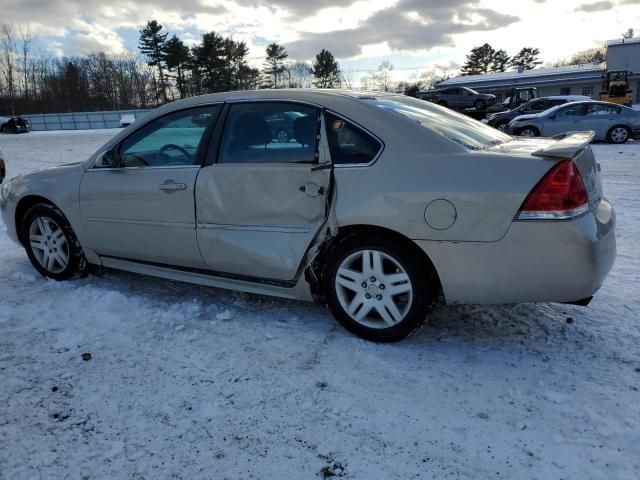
x=173, y=146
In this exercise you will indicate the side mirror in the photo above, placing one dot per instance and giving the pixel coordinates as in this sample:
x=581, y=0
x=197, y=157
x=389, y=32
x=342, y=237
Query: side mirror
x=107, y=159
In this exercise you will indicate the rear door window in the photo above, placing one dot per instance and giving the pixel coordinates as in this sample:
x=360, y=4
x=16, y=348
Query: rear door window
x=270, y=132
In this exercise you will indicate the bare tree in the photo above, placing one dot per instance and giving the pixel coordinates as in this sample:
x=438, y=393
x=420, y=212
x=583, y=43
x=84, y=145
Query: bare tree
x=347, y=79
x=8, y=58
x=298, y=75
x=26, y=39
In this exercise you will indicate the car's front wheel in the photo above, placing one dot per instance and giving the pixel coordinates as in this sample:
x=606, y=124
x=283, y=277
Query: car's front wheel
x=377, y=290
x=619, y=134
x=529, y=132
x=480, y=105
x=503, y=126
x=51, y=245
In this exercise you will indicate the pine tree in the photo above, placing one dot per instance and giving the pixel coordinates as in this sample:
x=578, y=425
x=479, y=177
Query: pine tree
x=479, y=60
x=152, y=44
x=526, y=59
x=209, y=63
x=501, y=61
x=177, y=57
x=326, y=70
x=274, y=64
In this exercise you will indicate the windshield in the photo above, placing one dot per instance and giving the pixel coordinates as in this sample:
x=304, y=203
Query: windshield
x=455, y=126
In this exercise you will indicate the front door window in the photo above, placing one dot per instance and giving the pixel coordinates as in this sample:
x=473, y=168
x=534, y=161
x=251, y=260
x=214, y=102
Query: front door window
x=170, y=141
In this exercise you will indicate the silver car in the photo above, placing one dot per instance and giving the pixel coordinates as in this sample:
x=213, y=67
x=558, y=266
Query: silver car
x=610, y=122
x=380, y=205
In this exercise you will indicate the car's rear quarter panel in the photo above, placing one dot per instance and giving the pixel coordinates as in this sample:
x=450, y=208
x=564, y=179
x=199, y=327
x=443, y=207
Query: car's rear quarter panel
x=418, y=167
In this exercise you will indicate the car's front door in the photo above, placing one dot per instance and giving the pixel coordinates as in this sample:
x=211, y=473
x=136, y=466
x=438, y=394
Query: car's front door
x=565, y=120
x=260, y=204
x=141, y=205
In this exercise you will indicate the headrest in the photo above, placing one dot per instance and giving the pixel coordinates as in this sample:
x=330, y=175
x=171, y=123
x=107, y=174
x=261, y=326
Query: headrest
x=304, y=130
x=251, y=129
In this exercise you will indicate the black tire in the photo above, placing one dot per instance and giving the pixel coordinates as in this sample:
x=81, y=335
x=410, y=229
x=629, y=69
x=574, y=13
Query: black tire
x=534, y=132
x=423, y=282
x=1, y=128
x=613, y=138
x=503, y=126
x=77, y=265
x=442, y=103
x=480, y=105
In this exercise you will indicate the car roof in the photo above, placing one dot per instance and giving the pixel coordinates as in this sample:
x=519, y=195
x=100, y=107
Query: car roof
x=576, y=98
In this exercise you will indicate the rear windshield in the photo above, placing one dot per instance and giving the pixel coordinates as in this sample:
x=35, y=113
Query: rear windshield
x=459, y=128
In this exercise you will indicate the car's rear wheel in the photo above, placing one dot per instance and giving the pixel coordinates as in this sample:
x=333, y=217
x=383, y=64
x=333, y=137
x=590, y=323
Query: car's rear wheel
x=480, y=105
x=618, y=134
x=51, y=245
x=529, y=132
x=377, y=290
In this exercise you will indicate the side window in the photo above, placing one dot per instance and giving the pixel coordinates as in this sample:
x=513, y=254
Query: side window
x=270, y=133
x=599, y=109
x=574, y=111
x=349, y=144
x=171, y=140
x=536, y=106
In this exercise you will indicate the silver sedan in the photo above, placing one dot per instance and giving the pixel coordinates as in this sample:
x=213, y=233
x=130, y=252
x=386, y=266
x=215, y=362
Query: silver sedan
x=609, y=122
x=378, y=205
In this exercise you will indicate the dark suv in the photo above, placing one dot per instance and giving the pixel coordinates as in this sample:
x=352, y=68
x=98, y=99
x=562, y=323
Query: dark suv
x=463, y=97
x=501, y=120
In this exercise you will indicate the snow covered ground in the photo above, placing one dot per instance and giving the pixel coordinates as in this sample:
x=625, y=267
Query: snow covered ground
x=189, y=382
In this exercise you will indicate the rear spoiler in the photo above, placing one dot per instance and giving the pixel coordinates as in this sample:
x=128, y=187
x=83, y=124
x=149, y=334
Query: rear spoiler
x=568, y=145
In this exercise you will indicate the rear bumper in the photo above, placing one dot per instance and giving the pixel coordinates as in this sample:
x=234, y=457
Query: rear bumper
x=536, y=261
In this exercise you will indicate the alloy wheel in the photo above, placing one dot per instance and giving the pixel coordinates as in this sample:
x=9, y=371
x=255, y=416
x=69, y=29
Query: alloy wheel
x=528, y=132
x=49, y=244
x=619, y=134
x=374, y=289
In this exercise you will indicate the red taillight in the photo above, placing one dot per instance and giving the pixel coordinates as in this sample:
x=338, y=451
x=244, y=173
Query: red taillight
x=560, y=194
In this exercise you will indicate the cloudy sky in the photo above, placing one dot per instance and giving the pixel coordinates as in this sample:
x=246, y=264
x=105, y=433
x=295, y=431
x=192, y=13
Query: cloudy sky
x=412, y=34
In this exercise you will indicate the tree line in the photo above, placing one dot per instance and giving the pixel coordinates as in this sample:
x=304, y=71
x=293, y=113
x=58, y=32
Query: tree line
x=165, y=69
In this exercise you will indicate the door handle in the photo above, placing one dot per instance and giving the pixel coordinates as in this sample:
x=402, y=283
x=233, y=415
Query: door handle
x=171, y=186
x=312, y=189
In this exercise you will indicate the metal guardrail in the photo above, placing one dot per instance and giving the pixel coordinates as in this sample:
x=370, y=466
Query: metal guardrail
x=80, y=120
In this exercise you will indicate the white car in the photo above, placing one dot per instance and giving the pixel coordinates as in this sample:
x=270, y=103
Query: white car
x=126, y=120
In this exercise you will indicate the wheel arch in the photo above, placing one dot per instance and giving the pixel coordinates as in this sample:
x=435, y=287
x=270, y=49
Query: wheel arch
x=315, y=272
x=23, y=207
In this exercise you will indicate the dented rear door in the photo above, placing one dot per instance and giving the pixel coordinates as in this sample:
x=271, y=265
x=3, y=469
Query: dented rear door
x=260, y=204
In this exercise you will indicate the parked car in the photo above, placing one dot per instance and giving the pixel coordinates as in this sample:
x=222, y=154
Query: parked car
x=426, y=94
x=14, y=125
x=3, y=167
x=281, y=125
x=382, y=206
x=127, y=119
x=501, y=120
x=463, y=97
x=610, y=122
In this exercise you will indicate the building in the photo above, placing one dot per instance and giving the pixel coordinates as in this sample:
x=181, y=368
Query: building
x=568, y=80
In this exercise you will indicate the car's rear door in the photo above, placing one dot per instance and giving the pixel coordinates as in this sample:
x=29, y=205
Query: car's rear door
x=143, y=207
x=260, y=202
